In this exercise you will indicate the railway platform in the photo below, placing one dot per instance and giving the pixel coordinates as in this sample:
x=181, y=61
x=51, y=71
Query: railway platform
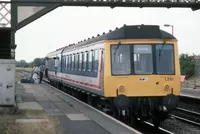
x=190, y=92
x=74, y=116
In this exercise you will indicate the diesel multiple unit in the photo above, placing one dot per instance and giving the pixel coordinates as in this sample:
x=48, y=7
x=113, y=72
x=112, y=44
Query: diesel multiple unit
x=133, y=69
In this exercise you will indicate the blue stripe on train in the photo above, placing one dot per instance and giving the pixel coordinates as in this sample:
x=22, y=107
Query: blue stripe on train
x=77, y=72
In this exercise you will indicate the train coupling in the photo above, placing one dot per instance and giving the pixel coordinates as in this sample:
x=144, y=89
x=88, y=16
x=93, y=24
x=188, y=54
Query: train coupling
x=170, y=102
x=121, y=102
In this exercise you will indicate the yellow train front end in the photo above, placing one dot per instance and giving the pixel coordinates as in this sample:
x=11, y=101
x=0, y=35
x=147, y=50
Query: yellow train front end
x=143, y=74
x=149, y=71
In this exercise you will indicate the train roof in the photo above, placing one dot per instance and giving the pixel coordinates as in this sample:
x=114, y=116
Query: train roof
x=57, y=51
x=126, y=32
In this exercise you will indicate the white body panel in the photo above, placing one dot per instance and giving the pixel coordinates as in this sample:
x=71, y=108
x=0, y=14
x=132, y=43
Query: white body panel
x=76, y=79
x=7, y=82
x=89, y=82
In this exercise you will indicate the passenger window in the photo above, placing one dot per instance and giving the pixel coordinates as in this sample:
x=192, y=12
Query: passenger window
x=77, y=62
x=85, y=61
x=73, y=58
x=80, y=61
x=66, y=62
x=90, y=60
x=63, y=61
x=70, y=61
x=56, y=62
x=96, y=60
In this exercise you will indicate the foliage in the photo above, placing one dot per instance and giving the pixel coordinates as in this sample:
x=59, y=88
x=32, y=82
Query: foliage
x=187, y=64
x=23, y=63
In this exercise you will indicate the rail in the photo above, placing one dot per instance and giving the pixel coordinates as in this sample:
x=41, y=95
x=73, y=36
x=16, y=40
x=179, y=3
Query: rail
x=188, y=116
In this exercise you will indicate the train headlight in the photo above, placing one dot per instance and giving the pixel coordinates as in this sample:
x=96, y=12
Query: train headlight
x=121, y=88
x=166, y=87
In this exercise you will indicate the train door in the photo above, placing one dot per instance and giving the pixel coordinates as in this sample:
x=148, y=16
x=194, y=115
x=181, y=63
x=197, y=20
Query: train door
x=46, y=67
x=102, y=69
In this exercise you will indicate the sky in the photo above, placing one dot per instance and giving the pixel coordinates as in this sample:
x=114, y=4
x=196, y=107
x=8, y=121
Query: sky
x=67, y=25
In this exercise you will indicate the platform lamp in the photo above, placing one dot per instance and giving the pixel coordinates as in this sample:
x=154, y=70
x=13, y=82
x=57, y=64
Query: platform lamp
x=167, y=25
x=13, y=47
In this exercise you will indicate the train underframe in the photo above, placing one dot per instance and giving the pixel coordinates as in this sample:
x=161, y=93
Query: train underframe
x=131, y=110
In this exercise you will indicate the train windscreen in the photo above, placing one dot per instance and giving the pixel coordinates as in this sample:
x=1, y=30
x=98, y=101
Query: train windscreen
x=142, y=59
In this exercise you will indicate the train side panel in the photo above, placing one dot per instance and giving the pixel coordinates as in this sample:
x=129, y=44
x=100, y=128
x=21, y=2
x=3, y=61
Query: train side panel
x=84, y=79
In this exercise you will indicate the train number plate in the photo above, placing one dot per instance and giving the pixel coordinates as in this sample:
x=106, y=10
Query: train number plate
x=169, y=79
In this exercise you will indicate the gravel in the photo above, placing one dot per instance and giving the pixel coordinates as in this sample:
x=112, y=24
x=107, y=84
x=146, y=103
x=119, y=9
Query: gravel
x=192, y=107
x=179, y=127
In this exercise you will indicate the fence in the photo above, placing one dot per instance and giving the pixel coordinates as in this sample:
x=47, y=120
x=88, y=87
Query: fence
x=196, y=71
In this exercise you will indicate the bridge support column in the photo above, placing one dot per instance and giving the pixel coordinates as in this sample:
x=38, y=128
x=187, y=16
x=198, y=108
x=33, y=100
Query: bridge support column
x=7, y=43
x=7, y=67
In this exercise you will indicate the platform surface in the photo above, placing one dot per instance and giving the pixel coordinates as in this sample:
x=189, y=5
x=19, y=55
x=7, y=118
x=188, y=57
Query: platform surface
x=190, y=92
x=74, y=117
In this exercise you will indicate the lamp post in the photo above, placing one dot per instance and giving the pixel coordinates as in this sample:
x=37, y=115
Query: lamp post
x=167, y=25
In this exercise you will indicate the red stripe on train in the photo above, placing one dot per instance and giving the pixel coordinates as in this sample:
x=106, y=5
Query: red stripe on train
x=74, y=81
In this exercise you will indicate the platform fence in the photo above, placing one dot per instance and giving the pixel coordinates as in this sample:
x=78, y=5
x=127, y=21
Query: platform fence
x=196, y=71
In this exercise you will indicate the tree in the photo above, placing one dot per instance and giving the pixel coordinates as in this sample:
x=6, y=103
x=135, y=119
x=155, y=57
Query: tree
x=187, y=64
x=37, y=61
x=23, y=63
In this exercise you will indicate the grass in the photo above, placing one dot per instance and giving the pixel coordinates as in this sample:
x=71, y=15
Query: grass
x=50, y=127
x=18, y=69
x=8, y=117
x=8, y=125
x=17, y=76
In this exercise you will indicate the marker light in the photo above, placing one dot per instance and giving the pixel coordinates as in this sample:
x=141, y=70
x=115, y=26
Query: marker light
x=121, y=88
x=166, y=87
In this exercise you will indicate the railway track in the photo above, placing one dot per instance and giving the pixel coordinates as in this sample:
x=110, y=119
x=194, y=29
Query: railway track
x=188, y=116
x=189, y=99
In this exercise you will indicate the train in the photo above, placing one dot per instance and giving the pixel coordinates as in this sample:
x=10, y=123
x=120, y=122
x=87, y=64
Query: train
x=132, y=71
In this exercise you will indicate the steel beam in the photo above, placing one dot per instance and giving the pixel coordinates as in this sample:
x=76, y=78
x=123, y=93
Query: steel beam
x=36, y=16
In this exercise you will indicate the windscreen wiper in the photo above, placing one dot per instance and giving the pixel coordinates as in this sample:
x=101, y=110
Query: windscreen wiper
x=117, y=47
x=160, y=50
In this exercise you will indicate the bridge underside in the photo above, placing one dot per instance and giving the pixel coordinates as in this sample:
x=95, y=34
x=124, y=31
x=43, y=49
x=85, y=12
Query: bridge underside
x=193, y=4
x=20, y=20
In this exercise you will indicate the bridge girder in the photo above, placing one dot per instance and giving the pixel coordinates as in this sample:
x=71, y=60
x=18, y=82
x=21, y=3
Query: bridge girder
x=193, y=4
